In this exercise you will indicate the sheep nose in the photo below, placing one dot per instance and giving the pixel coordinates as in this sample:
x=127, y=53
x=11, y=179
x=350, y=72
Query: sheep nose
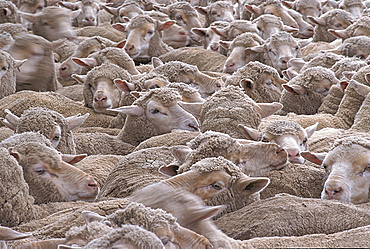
x=285, y=60
x=333, y=192
x=183, y=33
x=214, y=47
x=230, y=64
x=129, y=48
x=63, y=68
x=293, y=152
x=92, y=185
x=71, y=38
x=194, y=127
x=100, y=97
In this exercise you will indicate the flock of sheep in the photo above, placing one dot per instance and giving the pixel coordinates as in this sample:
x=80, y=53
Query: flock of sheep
x=184, y=124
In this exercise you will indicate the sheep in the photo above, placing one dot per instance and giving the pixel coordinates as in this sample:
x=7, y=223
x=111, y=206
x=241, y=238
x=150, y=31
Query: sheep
x=159, y=222
x=360, y=121
x=228, y=108
x=235, y=28
x=186, y=16
x=6, y=40
x=51, y=124
x=104, y=30
x=304, y=93
x=8, y=234
x=126, y=10
x=306, y=8
x=334, y=19
x=52, y=23
x=261, y=82
x=32, y=6
x=100, y=92
x=289, y=135
x=205, y=60
x=217, y=11
x=238, y=55
x=14, y=29
x=305, y=29
x=323, y=59
x=357, y=46
x=9, y=13
x=177, y=71
x=8, y=74
x=88, y=15
x=355, y=7
x=347, y=64
x=83, y=50
x=38, y=72
x=347, y=174
x=268, y=25
x=143, y=38
x=19, y=102
x=358, y=28
x=286, y=215
x=331, y=102
x=314, y=49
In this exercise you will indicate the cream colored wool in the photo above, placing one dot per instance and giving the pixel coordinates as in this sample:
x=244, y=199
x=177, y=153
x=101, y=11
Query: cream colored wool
x=73, y=92
x=269, y=19
x=65, y=50
x=352, y=3
x=175, y=69
x=184, y=7
x=105, y=31
x=309, y=102
x=135, y=171
x=132, y=234
x=280, y=127
x=19, y=102
x=246, y=40
x=106, y=70
x=216, y=6
x=347, y=142
x=205, y=60
x=326, y=59
x=362, y=118
x=44, y=121
x=286, y=215
x=228, y=108
x=347, y=64
x=9, y=13
x=14, y=29
x=360, y=75
x=352, y=45
x=321, y=33
x=25, y=137
x=8, y=80
x=185, y=90
x=166, y=96
x=5, y=133
x=139, y=83
x=363, y=23
x=331, y=102
x=45, y=78
x=257, y=73
x=241, y=25
x=94, y=41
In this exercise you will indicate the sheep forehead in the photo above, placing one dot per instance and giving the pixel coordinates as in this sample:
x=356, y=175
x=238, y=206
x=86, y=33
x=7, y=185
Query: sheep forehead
x=350, y=141
x=311, y=76
x=268, y=18
x=350, y=3
x=184, y=89
x=337, y=13
x=208, y=165
x=7, y=4
x=221, y=140
x=107, y=70
x=87, y=1
x=165, y=96
x=24, y=137
x=88, y=232
x=139, y=21
x=357, y=40
x=220, y=4
x=281, y=37
x=246, y=40
x=307, y=4
x=271, y=2
x=43, y=113
x=54, y=12
x=254, y=70
x=184, y=7
x=282, y=127
x=221, y=24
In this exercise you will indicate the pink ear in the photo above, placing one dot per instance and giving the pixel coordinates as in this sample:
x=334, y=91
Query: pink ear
x=169, y=170
x=124, y=85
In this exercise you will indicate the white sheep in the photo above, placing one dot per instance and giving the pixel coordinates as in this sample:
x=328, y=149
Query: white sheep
x=216, y=11
x=9, y=13
x=8, y=73
x=88, y=15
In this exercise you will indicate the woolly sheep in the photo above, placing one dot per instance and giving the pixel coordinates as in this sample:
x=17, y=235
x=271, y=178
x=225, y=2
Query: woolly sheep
x=261, y=82
x=205, y=60
x=9, y=13
x=357, y=46
x=355, y=7
x=268, y=25
x=333, y=19
x=177, y=71
x=57, y=20
x=37, y=72
x=270, y=217
x=19, y=102
x=306, y=8
x=104, y=30
x=8, y=74
x=143, y=38
x=51, y=124
x=331, y=102
x=6, y=40
x=216, y=11
x=358, y=28
x=346, y=167
x=228, y=108
x=235, y=28
x=347, y=64
x=88, y=15
x=304, y=93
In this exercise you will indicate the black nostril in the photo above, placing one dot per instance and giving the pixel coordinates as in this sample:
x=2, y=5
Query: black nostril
x=63, y=68
x=194, y=127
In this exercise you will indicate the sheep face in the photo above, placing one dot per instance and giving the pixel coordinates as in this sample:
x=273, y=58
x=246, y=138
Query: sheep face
x=210, y=38
x=129, y=10
x=205, y=84
x=167, y=118
x=217, y=11
x=88, y=15
x=349, y=174
x=176, y=36
x=105, y=94
x=33, y=7
x=356, y=8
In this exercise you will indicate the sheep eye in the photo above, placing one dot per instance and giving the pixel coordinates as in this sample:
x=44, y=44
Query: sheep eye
x=40, y=171
x=304, y=141
x=216, y=186
x=4, y=68
x=213, y=13
x=269, y=83
x=45, y=24
x=324, y=165
x=367, y=167
x=178, y=18
x=154, y=111
x=150, y=32
x=361, y=57
x=265, y=140
x=56, y=138
x=165, y=240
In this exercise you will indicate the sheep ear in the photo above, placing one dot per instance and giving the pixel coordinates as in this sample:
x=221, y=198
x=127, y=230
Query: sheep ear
x=199, y=31
x=68, y=5
x=14, y=153
x=220, y=31
x=316, y=20
x=289, y=5
x=85, y=62
x=247, y=85
x=121, y=44
x=28, y=17
x=296, y=63
x=289, y=73
x=124, y=86
x=367, y=77
x=254, y=9
x=248, y=132
x=75, y=13
x=334, y=50
x=169, y=170
x=11, y=121
x=156, y=62
x=193, y=108
x=76, y=121
x=256, y=49
x=316, y=158
x=339, y=33
x=57, y=43
x=348, y=74
x=225, y=44
x=344, y=84
x=180, y=152
x=295, y=89
x=79, y=78
x=165, y=25
x=10, y=234
x=361, y=89
x=304, y=42
x=72, y=159
x=250, y=185
x=202, y=10
x=131, y=110
x=311, y=129
x=110, y=10
x=161, y=9
x=289, y=29
x=89, y=216
x=207, y=212
x=267, y=109
x=19, y=63
x=120, y=26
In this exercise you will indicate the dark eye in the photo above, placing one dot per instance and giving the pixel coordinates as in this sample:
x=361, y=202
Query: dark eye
x=361, y=57
x=265, y=140
x=165, y=240
x=40, y=171
x=296, y=48
x=324, y=165
x=56, y=138
x=216, y=186
x=178, y=18
x=4, y=68
x=91, y=87
x=154, y=111
x=150, y=32
x=45, y=23
x=213, y=13
x=269, y=82
x=304, y=141
x=367, y=167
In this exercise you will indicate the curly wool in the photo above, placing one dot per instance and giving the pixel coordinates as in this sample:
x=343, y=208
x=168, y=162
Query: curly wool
x=14, y=29
x=280, y=127
x=88, y=232
x=348, y=142
x=326, y=59
x=95, y=41
x=65, y=50
x=106, y=32
x=351, y=3
x=307, y=4
x=14, y=17
x=139, y=21
x=352, y=45
x=139, y=83
x=87, y=1
x=184, y=7
x=217, y=164
x=184, y=89
x=8, y=80
x=246, y=40
x=166, y=96
x=347, y=64
x=270, y=2
x=129, y=233
x=241, y=25
x=269, y=19
x=330, y=102
x=360, y=75
x=24, y=137
x=173, y=70
x=314, y=73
